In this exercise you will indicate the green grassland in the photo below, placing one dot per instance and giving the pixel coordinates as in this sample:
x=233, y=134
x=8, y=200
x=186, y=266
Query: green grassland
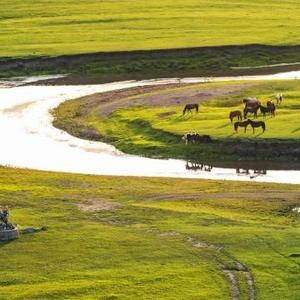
x=144, y=248
x=52, y=27
x=157, y=131
x=265, y=32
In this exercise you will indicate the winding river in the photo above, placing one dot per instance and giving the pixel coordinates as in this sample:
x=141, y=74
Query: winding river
x=28, y=139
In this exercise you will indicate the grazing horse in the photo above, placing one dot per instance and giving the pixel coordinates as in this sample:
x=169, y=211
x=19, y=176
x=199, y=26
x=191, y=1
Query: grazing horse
x=236, y=113
x=278, y=98
x=256, y=124
x=251, y=102
x=251, y=110
x=190, y=107
x=195, y=138
x=270, y=109
x=241, y=124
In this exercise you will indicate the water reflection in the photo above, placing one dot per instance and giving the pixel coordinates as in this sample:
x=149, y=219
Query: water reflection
x=195, y=166
x=239, y=170
x=252, y=173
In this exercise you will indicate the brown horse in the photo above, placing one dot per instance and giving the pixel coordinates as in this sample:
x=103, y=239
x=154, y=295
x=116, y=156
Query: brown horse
x=270, y=109
x=251, y=110
x=196, y=138
x=241, y=124
x=256, y=124
x=190, y=107
x=236, y=113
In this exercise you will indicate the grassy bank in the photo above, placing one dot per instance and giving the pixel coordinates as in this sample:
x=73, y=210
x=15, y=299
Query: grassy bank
x=189, y=62
x=148, y=240
x=157, y=131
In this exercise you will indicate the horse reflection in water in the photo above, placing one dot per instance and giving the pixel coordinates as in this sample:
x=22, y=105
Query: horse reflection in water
x=196, y=166
x=253, y=173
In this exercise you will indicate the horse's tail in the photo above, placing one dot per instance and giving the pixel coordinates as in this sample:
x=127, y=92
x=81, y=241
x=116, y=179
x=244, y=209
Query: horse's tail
x=197, y=107
x=184, y=110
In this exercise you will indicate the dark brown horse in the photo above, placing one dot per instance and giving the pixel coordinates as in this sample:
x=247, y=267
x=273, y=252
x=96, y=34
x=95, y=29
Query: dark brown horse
x=241, y=124
x=251, y=110
x=196, y=138
x=270, y=109
x=234, y=114
x=189, y=107
x=256, y=124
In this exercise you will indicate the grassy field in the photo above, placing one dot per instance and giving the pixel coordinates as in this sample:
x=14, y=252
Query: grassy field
x=52, y=27
x=34, y=34
x=156, y=131
x=151, y=242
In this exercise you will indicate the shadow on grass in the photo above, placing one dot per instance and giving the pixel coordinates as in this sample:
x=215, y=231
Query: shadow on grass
x=258, y=134
x=140, y=126
x=5, y=243
x=296, y=130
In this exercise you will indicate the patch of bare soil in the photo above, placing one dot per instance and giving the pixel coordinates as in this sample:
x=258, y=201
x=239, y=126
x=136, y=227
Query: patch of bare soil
x=154, y=96
x=95, y=205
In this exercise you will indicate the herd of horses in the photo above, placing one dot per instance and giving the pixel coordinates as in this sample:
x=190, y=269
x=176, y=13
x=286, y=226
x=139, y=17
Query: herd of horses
x=251, y=108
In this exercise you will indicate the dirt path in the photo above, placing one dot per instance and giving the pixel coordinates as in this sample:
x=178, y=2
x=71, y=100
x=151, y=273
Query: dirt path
x=154, y=96
x=231, y=273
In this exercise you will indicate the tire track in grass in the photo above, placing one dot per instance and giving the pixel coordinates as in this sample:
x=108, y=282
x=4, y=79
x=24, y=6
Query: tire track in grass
x=231, y=274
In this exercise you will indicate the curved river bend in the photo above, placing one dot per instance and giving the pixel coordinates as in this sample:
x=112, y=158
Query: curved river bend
x=29, y=140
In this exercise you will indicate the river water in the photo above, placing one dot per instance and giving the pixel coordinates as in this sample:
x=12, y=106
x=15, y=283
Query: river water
x=29, y=140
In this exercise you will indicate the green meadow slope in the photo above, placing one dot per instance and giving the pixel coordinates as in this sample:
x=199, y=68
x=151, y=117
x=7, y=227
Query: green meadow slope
x=148, y=240
x=53, y=27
